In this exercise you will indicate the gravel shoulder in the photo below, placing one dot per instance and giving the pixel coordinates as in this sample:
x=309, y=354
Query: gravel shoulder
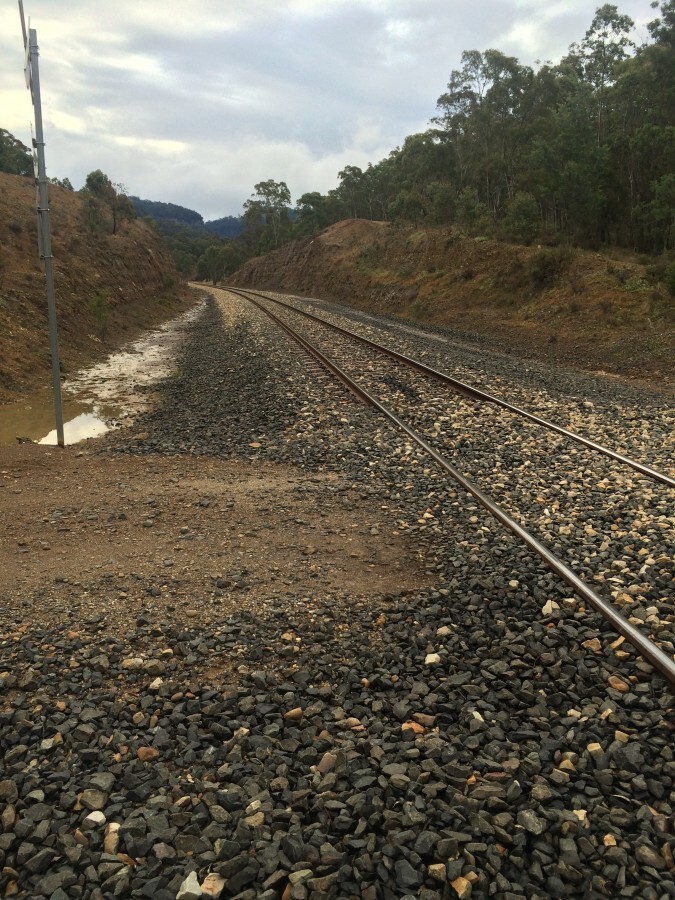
x=247, y=650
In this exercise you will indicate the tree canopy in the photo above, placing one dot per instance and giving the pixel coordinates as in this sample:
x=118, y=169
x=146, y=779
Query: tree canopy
x=99, y=189
x=15, y=157
x=266, y=213
x=166, y=211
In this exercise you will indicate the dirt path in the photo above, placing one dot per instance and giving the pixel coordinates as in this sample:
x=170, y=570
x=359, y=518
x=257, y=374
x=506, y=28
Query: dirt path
x=182, y=539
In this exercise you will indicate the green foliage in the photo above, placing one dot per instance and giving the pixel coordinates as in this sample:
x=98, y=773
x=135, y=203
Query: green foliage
x=669, y=278
x=548, y=264
x=209, y=265
x=100, y=188
x=227, y=227
x=522, y=219
x=166, y=211
x=266, y=214
x=441, y=202
x=314, y=212
x=408, y=205
x=62, y=182
x=658, y=214
x=187, y=246
x=218, y=261
x=98, y=184
x=636, y=284
x=15, y=157
x=92, y=211
x=183, y=261
x=472, y=213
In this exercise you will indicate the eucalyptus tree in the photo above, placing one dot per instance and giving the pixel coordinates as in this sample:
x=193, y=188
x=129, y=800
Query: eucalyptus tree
x=15, y=157
x=266, y=211
x=113, y=194
x=315, y=211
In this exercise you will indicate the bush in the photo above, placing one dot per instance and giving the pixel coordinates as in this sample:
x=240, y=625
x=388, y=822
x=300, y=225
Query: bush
x=522, y=220
x=637, y=285
x=473, y=213
x=656, y=271
x=549, y=263
x=99, y=307
x=670, y=278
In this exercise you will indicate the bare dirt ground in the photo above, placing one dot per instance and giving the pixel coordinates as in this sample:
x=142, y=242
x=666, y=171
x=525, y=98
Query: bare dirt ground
x=181, y=539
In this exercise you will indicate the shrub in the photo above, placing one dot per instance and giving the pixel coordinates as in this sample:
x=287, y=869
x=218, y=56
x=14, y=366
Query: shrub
x=522, y=220
x=670, y=278
x=656, y=271
x=473, y=213
x=636, y=285
x=99, y=307
x=547, y=264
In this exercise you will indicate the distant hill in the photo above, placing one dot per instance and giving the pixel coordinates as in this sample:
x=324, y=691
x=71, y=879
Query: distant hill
x=172, y=219
x=167, y=212
x=228, y=226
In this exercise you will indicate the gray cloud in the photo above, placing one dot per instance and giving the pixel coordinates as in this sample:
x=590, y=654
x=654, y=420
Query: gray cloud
x=195, y=102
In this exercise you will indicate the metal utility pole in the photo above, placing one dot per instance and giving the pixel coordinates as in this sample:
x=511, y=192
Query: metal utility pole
x=44, y=237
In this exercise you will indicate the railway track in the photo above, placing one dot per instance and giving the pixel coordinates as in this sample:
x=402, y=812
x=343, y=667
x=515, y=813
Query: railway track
x=646, y=647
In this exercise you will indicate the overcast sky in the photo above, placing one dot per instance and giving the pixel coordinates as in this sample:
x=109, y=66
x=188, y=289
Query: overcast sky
x=194, y=101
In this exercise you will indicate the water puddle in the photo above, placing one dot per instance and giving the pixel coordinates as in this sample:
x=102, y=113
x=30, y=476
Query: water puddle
x=32, y=419
x=106, y=395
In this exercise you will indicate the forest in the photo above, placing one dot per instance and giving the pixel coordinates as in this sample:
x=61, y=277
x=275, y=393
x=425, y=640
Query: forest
x=582, y=151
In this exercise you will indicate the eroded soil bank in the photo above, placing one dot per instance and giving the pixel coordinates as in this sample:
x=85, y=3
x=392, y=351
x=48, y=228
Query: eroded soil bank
x=108, y=394
x=109, y=287
x=581, y=309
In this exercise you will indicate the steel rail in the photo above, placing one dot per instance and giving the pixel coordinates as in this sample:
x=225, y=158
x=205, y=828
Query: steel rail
x=645, y=647
x=311, y=349
x=475, y=393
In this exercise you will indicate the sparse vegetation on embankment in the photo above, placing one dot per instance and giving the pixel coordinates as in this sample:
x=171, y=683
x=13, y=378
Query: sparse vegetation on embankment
x=108, y=286
x=612, y=312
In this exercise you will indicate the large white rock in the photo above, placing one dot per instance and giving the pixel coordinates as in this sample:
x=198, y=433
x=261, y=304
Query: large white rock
x=190, y=889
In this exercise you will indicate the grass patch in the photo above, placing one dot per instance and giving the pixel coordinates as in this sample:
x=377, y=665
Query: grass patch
x=417, y=310
x=417, y=238
x=637, y=285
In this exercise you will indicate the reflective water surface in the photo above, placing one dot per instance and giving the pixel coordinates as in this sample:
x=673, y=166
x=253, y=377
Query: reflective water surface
x=104, y=396
x=86, y=425
x=33, y=419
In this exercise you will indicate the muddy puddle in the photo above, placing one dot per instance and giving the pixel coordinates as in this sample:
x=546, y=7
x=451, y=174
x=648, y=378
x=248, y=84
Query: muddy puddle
x=107, y=395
